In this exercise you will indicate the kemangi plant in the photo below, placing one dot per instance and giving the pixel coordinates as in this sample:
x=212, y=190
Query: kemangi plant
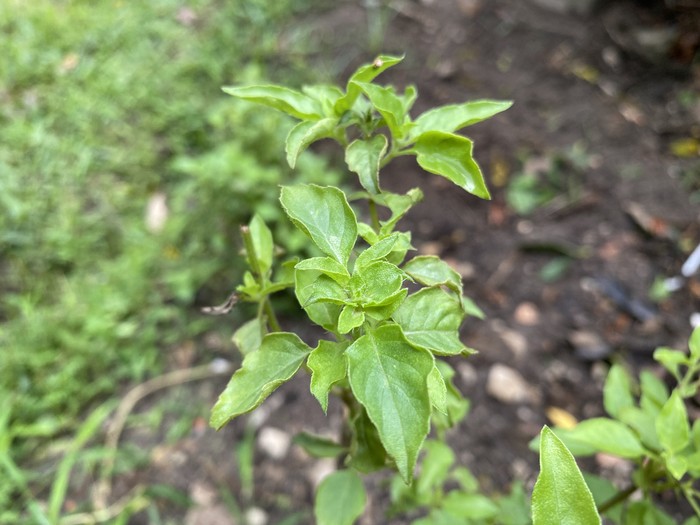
x=381, y=358
x=389, y=320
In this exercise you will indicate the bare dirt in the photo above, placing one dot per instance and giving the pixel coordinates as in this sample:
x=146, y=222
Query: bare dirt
x=566, y=287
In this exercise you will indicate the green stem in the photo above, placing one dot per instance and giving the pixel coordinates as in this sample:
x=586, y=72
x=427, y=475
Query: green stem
x=374, y=215
x=688, y=377
x=616, y=499
x=393, y=154
x=688, y=492
x=271, y=317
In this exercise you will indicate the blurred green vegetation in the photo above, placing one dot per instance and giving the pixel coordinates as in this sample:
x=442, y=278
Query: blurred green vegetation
x=105, y=104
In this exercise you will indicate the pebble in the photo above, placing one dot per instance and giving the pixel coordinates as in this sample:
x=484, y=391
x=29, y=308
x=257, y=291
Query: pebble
x=216, y=515
x=467, y=373
x=580, y=7
x=589, y=345
x=515, y=341
x=527, y=314
x=274, y=442
x=320, y=469
x=256, y=516
x=507, y=386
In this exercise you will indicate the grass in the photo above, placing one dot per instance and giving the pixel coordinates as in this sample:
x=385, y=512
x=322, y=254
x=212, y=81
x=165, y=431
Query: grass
x=104, y=105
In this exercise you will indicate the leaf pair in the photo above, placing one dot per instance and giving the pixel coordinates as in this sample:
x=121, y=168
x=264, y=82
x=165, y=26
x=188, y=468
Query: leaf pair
x=328, y=112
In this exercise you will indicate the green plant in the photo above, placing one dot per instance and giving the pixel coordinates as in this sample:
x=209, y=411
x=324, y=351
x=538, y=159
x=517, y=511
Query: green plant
x=651, y=427
x=382, y=361
x=92, y=298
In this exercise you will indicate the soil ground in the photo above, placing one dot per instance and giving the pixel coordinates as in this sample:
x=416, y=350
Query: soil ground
x=593, y=117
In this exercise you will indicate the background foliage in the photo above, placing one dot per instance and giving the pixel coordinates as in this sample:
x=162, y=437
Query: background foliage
x=104, y=107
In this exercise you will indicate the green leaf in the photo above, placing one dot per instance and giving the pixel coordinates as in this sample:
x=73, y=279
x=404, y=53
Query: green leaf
x=470, y=506
x=317, y=446
x=471, y=308
x=399, y=205
x=340, y=499
x=389, y=378
x=560, y=496
x=261, y=237
x=364, y=158
x=671, y=360
x=278, y=359
x=366, y=73
x=350, y=317
x=645, y=512
x=281, y=98
x=676, y=465
x=306, y=133
x=326, y=266
x=617, y=393
x=389, y=306
x=514, y=509
x=672, y=425
x=694, y=344
x=376, y=284
x=604, y=435
x=248, y=337
x=322, y=213
x=449, y=119
x=437, y=390
x=367, y=452
x=314, y=287
x=307, y=285
x=430, y=319
x=377, y=251
x=450, y=156
x=457, y=406
x=604, y=490
x=654, y=393
x=367, y=233
x=430, y=270
x=328, y=366
x=388, y=104
x=408, y=98
x=434, y=467
x=643, y=423
x=326, y=95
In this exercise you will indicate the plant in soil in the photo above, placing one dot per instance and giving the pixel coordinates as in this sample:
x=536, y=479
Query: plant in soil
x=389, y=320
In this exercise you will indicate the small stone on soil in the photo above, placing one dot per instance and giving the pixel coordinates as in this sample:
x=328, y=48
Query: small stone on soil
x=320, y=469
x=527, y=314
x=467, y=372
x=256, y=516
x=589, y=345
x=274, y=442
x=216, y=515
x=508, y=386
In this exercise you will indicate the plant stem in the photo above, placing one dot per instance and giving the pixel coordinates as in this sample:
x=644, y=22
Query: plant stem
x=271, y=317
x=688, y=492
x=616, y=499
x=373, y=214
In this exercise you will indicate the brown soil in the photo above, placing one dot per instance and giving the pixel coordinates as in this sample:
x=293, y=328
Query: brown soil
x=608, y=118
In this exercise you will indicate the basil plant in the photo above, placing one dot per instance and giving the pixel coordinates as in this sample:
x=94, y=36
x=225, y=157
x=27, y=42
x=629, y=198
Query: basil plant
x=384, y=342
